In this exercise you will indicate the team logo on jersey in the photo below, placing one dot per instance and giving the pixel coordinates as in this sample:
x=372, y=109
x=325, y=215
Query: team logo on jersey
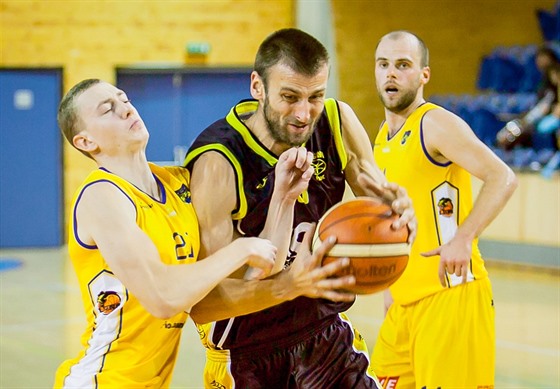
x=445, y=205
x=405, y=137
x=184, y=194
x=319, y=165
x=262, y=184
x=107, y=302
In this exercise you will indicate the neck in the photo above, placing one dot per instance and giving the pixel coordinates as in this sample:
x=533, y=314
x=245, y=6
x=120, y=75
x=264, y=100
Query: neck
x=134, y=170
x=395, y=120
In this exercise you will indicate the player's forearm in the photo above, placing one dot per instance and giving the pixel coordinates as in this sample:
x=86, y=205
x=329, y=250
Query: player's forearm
x=177, y=288
x=496, y=190
x=235, y=297
x=278, y=227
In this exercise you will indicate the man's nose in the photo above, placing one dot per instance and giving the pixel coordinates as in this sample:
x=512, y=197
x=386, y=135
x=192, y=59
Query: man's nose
x=303, y=111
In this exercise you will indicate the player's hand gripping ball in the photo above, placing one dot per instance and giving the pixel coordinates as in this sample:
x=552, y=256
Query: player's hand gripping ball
x=378, y=253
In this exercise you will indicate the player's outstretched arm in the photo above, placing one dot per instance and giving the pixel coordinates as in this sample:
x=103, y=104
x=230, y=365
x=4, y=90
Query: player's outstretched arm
x=105, y=217
x=305, y=277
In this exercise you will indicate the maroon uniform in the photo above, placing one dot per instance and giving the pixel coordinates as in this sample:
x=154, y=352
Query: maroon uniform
x=277, y=338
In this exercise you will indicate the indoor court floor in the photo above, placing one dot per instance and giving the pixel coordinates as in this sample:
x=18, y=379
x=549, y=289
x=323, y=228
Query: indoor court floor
x=41, y=321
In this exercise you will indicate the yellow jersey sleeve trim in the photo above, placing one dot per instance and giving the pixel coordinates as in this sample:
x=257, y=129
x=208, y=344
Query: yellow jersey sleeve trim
x=333, y=114
x=242, y=208
x=233, y=119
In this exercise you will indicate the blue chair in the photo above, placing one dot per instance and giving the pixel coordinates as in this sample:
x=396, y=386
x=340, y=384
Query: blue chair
x=549, y=23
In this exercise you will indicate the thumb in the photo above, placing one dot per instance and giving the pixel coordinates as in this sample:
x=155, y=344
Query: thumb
x=431, y=253
x=307, y=241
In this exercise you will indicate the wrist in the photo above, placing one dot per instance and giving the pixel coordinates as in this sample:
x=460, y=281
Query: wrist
x=281, y=287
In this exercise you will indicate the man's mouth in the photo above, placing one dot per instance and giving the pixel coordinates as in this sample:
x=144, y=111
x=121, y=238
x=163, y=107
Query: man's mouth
x=391, y=89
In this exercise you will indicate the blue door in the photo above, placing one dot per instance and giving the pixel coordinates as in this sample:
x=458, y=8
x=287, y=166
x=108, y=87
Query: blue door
x=30, y=158
x=177, y=104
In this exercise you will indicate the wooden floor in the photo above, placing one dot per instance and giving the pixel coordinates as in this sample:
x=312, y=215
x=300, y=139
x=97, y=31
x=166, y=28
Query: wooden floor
x=41, y=321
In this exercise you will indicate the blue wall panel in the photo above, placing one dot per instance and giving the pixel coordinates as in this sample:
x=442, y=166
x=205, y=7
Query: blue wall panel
x=30, y=158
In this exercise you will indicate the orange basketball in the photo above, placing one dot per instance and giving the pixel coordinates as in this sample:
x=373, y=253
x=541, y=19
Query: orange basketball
x=378, y=253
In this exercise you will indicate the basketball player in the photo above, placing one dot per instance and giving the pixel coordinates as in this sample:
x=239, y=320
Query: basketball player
x=304, y=343
x=439, y=330
x=134, y=242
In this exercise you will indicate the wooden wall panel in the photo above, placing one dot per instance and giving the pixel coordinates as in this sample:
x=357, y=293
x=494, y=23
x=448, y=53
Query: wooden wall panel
x=89, y=38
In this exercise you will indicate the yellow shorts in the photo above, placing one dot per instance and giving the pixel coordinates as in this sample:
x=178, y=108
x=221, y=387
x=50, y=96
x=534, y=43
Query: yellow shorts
x=446, y=340
x=218, y=374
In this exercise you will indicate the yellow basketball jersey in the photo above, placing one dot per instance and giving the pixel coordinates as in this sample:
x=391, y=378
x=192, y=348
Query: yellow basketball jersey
x=124, y=345
x=442, y=198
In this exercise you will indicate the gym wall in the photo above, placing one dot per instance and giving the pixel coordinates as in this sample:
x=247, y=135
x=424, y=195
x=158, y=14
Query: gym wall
x=89, y=38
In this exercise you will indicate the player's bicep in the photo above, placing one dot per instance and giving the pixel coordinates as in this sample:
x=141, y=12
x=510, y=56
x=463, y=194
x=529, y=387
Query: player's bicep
x=102, y=213
x=214, y=196
x=106, y=217
x=449, y=138
x=359, y=151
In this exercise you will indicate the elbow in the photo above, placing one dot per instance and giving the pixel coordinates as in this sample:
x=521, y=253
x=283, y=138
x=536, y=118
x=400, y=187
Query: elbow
x=199, y=316
x=512, y=181
x=162, y=308
x=164, y=311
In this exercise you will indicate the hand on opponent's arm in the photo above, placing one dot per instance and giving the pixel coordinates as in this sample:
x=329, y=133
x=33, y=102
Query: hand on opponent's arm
x=105, y=217
x=305, y=277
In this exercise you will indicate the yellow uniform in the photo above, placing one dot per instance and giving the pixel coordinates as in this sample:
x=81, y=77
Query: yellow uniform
x=429, y=327
x=124, y=345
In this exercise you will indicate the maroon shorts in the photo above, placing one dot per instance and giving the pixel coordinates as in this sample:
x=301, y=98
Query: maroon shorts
x=324, y=359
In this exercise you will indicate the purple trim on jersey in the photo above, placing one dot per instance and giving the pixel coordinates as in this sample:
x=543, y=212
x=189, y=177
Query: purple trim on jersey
x=84, y=245
x=161, y=190
x=445, y=164
x=158, y=183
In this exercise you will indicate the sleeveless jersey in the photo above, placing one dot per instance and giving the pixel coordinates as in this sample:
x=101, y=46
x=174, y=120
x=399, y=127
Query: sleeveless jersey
x=124, y=345
x=254, y=168
x=442, y=198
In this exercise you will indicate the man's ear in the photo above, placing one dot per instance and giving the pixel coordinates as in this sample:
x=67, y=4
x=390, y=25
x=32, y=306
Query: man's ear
x=82, y=141
x=257, y=86
x=425, y=77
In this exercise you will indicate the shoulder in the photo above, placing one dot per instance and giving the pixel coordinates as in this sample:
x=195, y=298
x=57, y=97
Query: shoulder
x=172, y=173
x=106, y=191
x=440, y=119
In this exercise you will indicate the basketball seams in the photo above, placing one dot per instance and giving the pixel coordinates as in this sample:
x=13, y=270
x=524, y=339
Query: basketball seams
x=378, y=253
x=369, y=250
x=382, y=216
